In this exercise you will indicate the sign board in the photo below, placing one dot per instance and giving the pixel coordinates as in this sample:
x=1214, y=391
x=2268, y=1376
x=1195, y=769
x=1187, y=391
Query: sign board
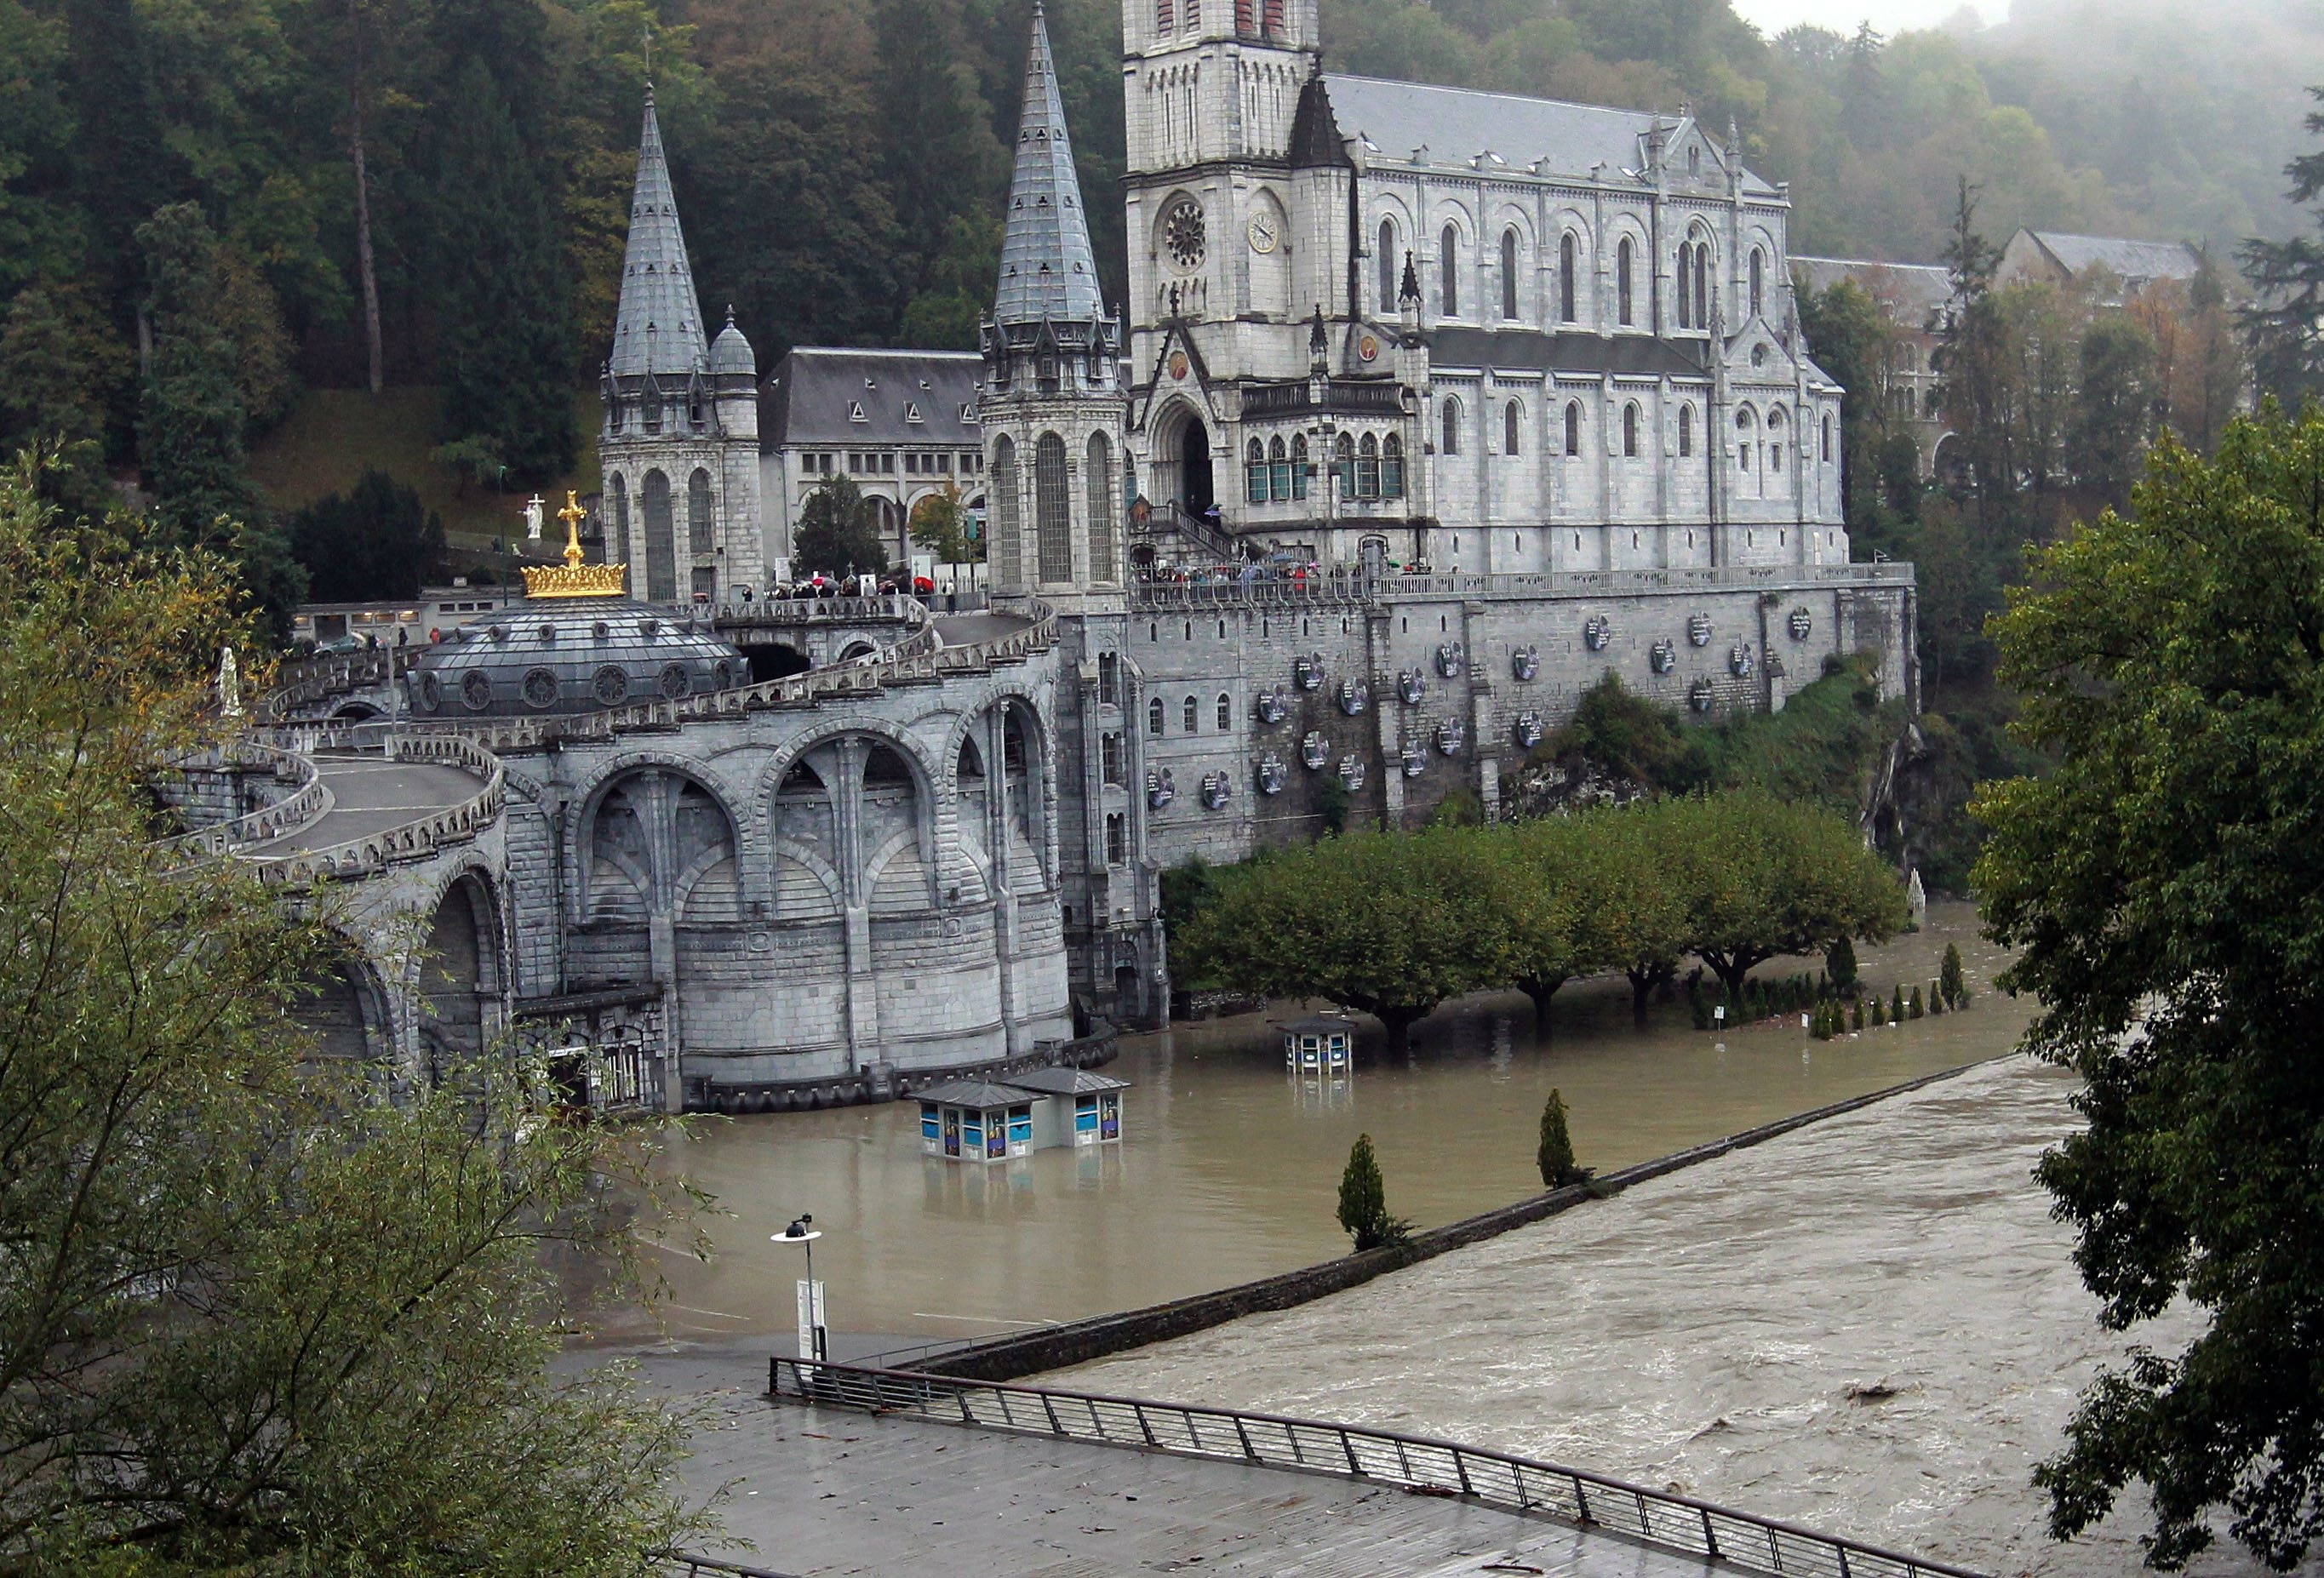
x=811, y=1330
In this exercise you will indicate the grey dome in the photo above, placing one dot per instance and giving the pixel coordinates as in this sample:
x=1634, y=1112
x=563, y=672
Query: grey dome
x=551, y=655
x=730, y=353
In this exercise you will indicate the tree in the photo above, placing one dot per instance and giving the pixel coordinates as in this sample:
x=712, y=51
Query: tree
x=1840, y=963
x=2284, y=320
x=1539, y=907
x=271, y=1319
x=2160, y=883
x=1771, y=877
x=1555, y=1153
x=834, y=533
x=61, y=372
x=377, y=540
x=1949, y=977
x=191, y=415
x=1363, y=1200
x=940, y=523
x=2113, y=401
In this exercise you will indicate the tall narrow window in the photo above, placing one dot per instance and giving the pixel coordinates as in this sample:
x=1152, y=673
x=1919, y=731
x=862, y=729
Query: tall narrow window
x=1512, y=416
x=1270, y=18
x=1756, y=305
x=1278, y=471
x=1052, y=514
x=1631, y=429
x=700, y=537
x=661, y=550
x=1685, y=285
x=1685, y=432
x=1193, y=9
x=1510, y=273
x=1164, y=16
x=1451, y=436
x=1194, y=716
x=1007, y=544
x=1386, y=259
x=1254, y=473
x=1622, y=303
x=1225, y=712
x=1448, y=263
x=1565, y=251
x=1702, y=285
x=1344, y=458
x=1392, y=467
x=1299, y=465
x=1573, y=427
x=1827, y=440
x=618, y=550
x=1153, y=717
x=1101, y=507
x=1367, y=477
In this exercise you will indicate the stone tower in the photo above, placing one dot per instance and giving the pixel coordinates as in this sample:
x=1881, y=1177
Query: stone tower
x=679, y=447
x=1052, y=408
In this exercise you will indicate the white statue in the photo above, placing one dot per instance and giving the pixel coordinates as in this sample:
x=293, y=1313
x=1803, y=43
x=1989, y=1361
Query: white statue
x=229, y=684
x=532, y=508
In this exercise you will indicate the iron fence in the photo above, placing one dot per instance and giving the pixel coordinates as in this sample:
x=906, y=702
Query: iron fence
x=1416, y=1462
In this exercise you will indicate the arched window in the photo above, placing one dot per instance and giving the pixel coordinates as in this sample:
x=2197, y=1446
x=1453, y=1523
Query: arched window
x=1685, y=292
x=1163, y=16
x=1344, y=462
x=1622, y=303
x=1827, y=440
x=1743, y=428
x=1194, y=716
x=1702, y=285
x=1007, y=544
x=1299, y=465
x=1225, y=712
x=1101, y=507
x=1573, y=427
x=1566, y=278
x=1510, y=273
x=1254, y=473
x=1512, y=415
x=1685, y=432
x=661, y=548
x=1153, y=717
x=1630, y=429
x=1387, y=280
x=1053, y=515
x=1367, y=477
x=1756, y=306
x=1448, y=263
x=1776, y=457
x=700, y=536
x=1451, y=415
x=1392, y=467
x=618, y=550
x=1278, y=471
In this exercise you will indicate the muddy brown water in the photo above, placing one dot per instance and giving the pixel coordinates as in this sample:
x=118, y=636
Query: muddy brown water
x=1228, y=1168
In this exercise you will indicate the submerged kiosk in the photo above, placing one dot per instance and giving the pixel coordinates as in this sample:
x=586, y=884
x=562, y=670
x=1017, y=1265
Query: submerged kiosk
x=988, y=1120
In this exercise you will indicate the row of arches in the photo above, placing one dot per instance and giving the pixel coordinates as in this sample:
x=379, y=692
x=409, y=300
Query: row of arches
x=1190, y=715
x=1694, y=270
x=1574, y=419
x=1369, y=466
x=1054, y=536
x=657, y=505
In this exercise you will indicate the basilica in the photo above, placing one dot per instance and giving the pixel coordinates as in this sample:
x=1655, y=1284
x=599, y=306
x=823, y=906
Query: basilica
x=1428, y=411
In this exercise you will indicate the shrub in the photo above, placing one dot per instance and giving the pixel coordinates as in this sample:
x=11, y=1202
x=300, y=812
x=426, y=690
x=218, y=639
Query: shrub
x=1557, y=1153
x=1363, y=1200
x=1840, y=964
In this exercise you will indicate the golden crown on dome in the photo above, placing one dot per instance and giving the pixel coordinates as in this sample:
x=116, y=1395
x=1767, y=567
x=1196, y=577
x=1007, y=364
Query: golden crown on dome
x=574, y=579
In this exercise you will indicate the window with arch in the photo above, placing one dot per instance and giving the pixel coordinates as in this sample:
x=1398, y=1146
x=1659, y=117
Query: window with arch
x=1685, y=432
x=1344, y=456
x=618, y=490
x=1053, y=516
x=1623, y=302
x=1744, y=429
x=1279, y=470
x=1225, y=712
x=661, y=548
x=1510, y=273
x=1565, y=250
x=1630, y=429
x=1451, y=441
x=1101, y=507
x=1254, y=473
x=1367, y=477
x=1386, y=255
x=1392, y=467
x=1573, y=427
x=1298, y=466
x=1007, y=544
x=1512, y=419
x=1192, y=712
x=1153, y=717
x=1165, y=15
x=700, y=536
x=1757, y=264
x=1685, y=290
x=1827, y=440
x=1448, y=266
x=1701, y=284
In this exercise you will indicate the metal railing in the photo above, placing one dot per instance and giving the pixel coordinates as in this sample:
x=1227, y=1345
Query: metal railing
x=1416, y=1462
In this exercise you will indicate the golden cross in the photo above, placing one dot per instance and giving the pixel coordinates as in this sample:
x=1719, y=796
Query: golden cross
x=572, y=515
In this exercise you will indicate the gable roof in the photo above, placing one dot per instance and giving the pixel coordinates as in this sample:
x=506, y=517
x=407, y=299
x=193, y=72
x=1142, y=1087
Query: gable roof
x=811, y=397
x=1048, y=270
x=1391, y=119
x=1911, y=291
x=2131, y=259
x=974, y=1093
x=1066, y=1082
x=658, y=326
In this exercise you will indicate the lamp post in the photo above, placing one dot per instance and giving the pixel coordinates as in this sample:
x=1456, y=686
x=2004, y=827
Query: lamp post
x=814, y=1340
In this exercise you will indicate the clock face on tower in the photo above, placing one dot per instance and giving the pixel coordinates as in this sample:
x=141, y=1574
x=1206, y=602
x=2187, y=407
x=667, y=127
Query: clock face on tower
x=1264, y=233
x=1182, y=234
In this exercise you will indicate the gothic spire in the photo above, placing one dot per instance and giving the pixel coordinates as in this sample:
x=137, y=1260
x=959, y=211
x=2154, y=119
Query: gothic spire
x=1048, y=270
x=658, y=327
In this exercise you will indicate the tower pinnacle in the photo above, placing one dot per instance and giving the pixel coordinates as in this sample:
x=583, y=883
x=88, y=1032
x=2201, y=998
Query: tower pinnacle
x=1048, y=270
x=657, y=327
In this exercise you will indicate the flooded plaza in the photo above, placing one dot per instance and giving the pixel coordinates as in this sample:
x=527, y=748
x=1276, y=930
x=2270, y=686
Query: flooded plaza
x=1229, y=1167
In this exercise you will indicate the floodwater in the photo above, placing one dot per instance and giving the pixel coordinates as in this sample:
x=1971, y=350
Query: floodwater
x=1228, y=1168
x=1871, y=1325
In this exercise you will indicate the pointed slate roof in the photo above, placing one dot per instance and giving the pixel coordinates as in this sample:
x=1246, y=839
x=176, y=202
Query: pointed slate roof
x=658, y=327
x=1049, y=271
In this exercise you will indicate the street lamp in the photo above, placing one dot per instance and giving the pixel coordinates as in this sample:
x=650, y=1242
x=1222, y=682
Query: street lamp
x=814, y=1340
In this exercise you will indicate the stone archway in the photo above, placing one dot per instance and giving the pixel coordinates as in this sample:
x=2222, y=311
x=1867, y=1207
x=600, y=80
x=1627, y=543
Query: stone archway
x=458, y=976
x=1197, y=491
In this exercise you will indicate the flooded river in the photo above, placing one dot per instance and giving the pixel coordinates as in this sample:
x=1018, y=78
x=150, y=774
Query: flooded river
x=1228, y=1169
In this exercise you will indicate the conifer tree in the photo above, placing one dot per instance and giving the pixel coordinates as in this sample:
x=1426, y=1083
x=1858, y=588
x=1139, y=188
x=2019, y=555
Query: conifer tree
x=1839, y=966
x=1363, y=1198
x=1949, y=977
x=1555, y=1155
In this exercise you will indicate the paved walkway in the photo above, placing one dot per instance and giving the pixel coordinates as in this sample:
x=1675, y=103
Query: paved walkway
x=826, y=1491
x=370, y=794
x=966, y=630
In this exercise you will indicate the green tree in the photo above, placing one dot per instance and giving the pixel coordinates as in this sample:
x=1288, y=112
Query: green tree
x=834, y=533
x=62, y=371
x=375, y=540
x=2284, y=320
x=1363, y=1200
x=279, y=1323
x=1539, y=904
x=191, y=415
x=2159, y=883
x=1840, y=963
x=1771, y=877
x=940, y=523
x=2114, y=403
x=1555, y=1152
x=1631, y=736
x=1948, y=976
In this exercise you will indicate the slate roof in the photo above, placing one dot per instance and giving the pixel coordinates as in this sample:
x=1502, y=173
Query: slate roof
x=1456, y=123
x=1911, y=291
x=814, y=391
x=1049, y=271
x=1537, y=350
x=1066, y=1081
x=2132, y=260
x=973, y=1093
x=658, y=327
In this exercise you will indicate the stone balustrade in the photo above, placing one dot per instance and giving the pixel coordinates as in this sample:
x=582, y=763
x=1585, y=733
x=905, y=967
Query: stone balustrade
x=374, y=854
x=305, y=805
